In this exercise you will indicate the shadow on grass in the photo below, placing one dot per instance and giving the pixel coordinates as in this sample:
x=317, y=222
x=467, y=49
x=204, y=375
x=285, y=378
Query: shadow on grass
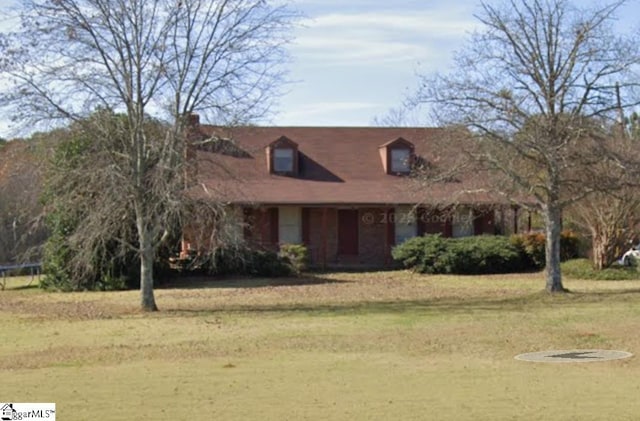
x=354, y=269
x=197, y=282
x=23, y=287
x=441, y=305
x=452, y=306
x=592, y=295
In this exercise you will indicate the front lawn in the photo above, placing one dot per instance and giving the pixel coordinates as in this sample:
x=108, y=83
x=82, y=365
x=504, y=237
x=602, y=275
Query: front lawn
x=341, y=346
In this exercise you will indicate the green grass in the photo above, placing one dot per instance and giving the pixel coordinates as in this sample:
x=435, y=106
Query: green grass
x=344, y=346
x=583, y=269
x=18, y=282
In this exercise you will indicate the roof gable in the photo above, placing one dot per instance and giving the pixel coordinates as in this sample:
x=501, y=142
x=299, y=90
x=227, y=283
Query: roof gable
x=399, y=142
x=283, y=142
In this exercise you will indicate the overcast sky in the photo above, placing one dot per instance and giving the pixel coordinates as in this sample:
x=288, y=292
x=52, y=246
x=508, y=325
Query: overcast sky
x=353, y=60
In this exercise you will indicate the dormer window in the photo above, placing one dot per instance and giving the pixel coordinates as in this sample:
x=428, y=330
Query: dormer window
x=397, y=156
x=283, y=160
x=282, y=157
x=400, y=160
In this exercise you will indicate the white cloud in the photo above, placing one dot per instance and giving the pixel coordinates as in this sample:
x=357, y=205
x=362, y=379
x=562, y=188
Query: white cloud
x=353, y=60
x=380, y=37
x=331, y=51
x=425, y=22
x=329, y=113
x=9, y=15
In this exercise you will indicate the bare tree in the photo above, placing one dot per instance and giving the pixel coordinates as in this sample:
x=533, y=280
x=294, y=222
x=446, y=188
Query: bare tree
x=161, y=58
x=610, y=220
x=611, y=216
x=21, y=169
x=535, y=86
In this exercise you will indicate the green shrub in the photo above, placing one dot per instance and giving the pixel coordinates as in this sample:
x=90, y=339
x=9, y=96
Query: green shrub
x=296, y=255
x=109, y=265
x=570, y=245
x=583, y=269
x=422, y=254
x=532, y=247
x=242, y=260
x=57, y=255
x=468, y=255
x=229, y=260
x=109, y=282
x=107, y=270
x=267, y=263
x=483, y=254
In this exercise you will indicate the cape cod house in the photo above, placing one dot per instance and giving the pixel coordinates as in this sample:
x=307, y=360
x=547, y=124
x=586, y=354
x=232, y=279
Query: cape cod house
x=345, y=192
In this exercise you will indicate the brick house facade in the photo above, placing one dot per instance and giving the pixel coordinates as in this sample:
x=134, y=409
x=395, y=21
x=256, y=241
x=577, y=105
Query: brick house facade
x=346, y=193
x=354, y=236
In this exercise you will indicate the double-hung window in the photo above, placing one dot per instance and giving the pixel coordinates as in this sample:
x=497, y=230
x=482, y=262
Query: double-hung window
x=400, y=160
x=283, y=160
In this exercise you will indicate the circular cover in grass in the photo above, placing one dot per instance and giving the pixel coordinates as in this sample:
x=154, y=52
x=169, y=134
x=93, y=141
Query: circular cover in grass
x=573, y=356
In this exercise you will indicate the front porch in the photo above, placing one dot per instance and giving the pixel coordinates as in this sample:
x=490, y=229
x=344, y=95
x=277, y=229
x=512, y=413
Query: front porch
x=358, y=237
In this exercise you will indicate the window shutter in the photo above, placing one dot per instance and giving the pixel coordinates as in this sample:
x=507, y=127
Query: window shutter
x=273, y=225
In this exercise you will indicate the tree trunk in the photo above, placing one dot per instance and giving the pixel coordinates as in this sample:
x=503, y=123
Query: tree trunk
x=608, y=243
x=598, y=244
x=552, y=216
x=148, y=301
x=604, y=246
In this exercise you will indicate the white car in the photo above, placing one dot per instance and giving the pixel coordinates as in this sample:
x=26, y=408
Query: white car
x=632, y=254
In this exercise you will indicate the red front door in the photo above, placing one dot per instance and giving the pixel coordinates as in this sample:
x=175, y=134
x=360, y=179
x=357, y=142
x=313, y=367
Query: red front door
x=347, y=232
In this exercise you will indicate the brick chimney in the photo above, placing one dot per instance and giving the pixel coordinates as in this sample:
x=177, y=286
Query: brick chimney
x=192, y=134
x=193, y=120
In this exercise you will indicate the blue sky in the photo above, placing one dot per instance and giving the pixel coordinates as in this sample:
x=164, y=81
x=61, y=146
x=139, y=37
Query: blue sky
x=353, y=60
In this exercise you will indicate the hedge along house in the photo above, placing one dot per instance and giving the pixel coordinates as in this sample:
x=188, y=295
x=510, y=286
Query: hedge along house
x=346, y=193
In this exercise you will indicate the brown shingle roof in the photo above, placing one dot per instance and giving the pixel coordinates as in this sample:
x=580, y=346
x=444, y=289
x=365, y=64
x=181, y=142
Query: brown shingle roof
x=338, y=165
